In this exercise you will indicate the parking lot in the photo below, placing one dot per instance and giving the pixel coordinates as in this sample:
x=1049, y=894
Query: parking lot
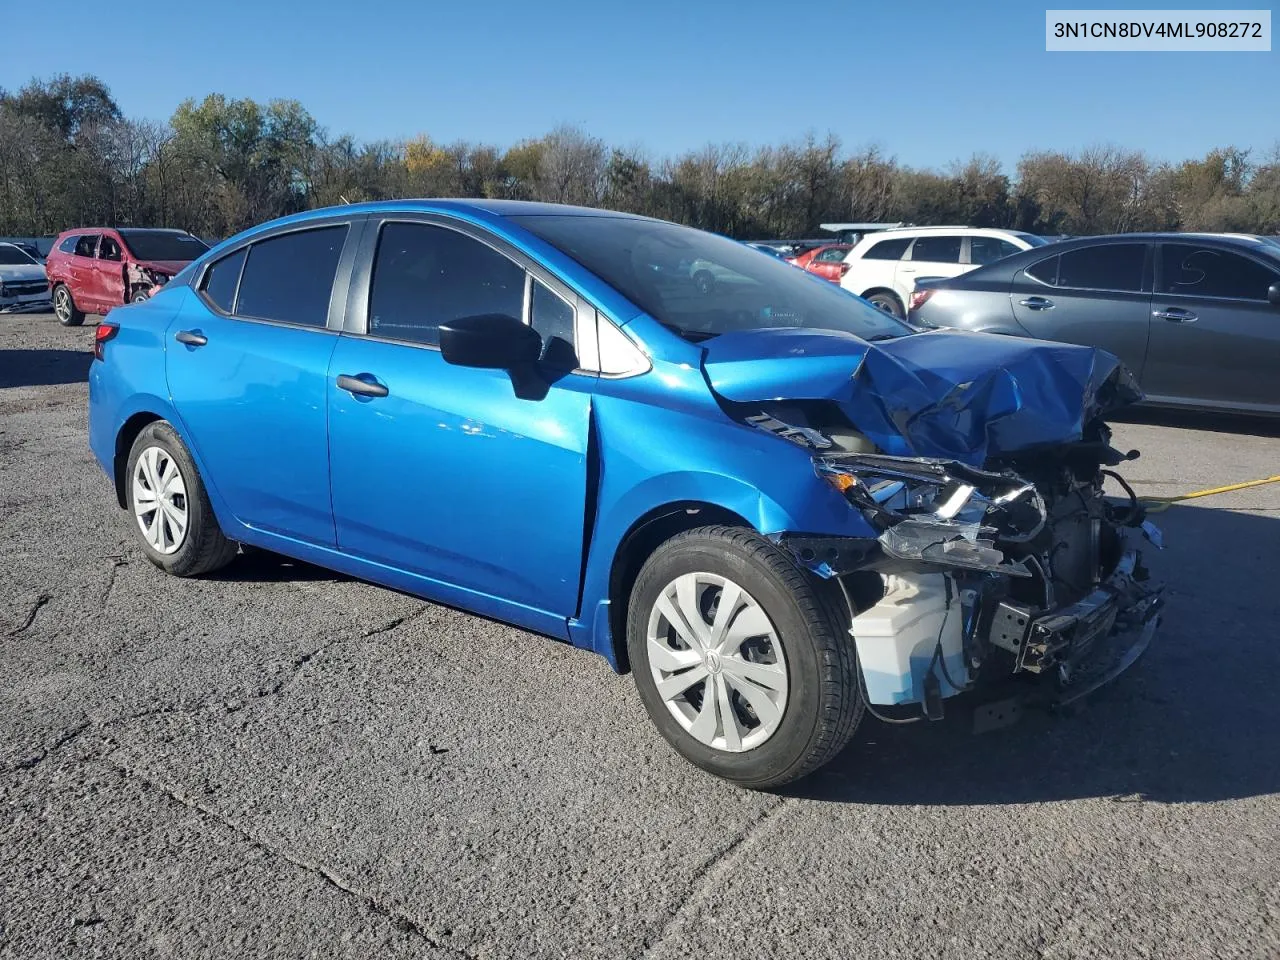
x=280, y=761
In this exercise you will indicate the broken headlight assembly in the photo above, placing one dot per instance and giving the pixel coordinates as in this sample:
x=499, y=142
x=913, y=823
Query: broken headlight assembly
x=937, y=512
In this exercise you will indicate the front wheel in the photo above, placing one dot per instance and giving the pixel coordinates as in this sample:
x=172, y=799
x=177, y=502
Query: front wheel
x=741, y=659
x=172, y=515
x=64, y=307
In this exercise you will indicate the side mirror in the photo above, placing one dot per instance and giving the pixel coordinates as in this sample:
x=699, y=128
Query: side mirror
x=1273, y=294
x=493, y=340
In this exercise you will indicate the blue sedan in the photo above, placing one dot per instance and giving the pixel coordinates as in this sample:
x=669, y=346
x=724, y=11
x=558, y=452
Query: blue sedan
x=777, y=506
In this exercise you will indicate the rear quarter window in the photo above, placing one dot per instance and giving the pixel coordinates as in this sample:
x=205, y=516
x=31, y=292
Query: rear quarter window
x=68, y=245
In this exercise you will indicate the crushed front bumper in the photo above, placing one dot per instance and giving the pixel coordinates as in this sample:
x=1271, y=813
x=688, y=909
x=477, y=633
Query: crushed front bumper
x=1088, y=644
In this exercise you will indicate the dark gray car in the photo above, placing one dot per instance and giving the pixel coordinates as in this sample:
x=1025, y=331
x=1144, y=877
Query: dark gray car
x=1196, y=317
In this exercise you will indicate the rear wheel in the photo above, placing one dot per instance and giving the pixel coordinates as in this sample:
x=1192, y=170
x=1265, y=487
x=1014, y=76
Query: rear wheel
x=740, y=657
x=64, y=307
x=170, y=507
x=888, y=302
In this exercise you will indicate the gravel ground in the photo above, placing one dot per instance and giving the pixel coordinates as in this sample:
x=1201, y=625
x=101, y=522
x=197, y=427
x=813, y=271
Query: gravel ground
x=280, y=761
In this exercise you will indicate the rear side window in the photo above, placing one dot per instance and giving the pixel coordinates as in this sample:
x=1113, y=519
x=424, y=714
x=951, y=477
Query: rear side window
x=425, y=275
x=984, y=250
x=85, y=246
x=220, y=281
x=289, y=278
x=1205, y=272
x=888, y=249
x=937, y=249
x=1111, y=266
x=68, y=245
x=1046, y=271
x=832, y=255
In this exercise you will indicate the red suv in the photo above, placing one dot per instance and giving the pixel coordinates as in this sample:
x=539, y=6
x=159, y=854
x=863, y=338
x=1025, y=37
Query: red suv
x=95, y=269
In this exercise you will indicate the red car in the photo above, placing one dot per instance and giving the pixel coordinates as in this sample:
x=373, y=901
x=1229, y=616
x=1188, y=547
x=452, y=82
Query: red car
x=827, y=261
x=94, y=269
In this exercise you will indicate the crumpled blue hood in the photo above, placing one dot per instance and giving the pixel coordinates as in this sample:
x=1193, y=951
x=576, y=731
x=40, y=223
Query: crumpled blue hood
x=945, y=394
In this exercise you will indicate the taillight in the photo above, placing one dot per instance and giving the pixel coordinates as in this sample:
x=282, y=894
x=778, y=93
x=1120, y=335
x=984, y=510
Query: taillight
x=919, y=297
x=101, y=334
x=844, y=267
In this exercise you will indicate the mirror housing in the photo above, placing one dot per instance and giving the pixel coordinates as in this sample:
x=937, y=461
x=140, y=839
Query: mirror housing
x=1273, y=294
x=494, y=341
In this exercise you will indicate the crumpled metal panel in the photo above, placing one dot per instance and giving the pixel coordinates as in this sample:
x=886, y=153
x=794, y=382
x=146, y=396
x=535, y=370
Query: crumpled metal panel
x=944, y=394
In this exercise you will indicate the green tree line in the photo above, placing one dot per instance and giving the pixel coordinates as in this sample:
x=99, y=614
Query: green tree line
x=69, y=156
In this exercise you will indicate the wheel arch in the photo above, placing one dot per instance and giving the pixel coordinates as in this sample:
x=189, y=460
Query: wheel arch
x=649, y=532
x=125, y=437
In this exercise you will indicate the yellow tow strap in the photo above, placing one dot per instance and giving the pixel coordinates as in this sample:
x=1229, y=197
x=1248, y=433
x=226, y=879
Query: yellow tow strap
x=1161, y=504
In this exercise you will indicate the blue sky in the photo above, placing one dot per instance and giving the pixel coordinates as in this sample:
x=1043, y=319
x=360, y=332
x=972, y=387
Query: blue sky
x=929, y=82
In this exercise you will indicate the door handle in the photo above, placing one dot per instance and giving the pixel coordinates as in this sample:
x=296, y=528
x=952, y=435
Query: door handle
x=192, y=338
x=1175, y=315
x=1037, y=303
x=361, y=386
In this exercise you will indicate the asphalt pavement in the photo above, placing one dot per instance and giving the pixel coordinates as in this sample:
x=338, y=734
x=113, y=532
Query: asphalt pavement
x=279, y=761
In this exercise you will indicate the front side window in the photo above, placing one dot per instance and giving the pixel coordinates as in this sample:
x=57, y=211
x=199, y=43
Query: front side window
x=893, y=249
x=700, y=285
x=553, y=318
x=86, y=245
x=937, y=249
x=425, y=275
x=108, y=249
x=984, y=250
x=1108, y=266
x=289, y=278
x=221, y=280
x=1206, y=272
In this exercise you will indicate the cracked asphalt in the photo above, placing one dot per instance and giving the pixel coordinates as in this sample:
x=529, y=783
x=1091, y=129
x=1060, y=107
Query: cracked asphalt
x=284, y=762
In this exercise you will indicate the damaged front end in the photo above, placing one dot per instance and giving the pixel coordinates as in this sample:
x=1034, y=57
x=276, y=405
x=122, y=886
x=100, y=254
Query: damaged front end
x=1020, y=565
x=984, y=573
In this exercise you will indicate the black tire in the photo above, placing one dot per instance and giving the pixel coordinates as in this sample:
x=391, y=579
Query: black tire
x=889, y=303
x=140, y=296
x=64, y=307
x=824, y=702
x=204, y=547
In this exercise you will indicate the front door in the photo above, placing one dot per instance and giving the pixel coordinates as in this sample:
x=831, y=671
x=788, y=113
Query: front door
x=1096, y=296
x=247, y=359
x=460, y=475
x=1215, y=338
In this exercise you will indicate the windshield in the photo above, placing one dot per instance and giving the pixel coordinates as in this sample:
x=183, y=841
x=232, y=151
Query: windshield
x=162, y=245
x=701, y=285
x=11, y=256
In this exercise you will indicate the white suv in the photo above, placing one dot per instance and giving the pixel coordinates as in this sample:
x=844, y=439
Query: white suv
x=884, y=266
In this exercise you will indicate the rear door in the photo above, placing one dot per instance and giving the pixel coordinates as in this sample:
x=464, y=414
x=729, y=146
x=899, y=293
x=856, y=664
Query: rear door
x=1097, y=295
x=247, y=362
x=1215, y=338
x=108, y=272
x=454, y=473
x=83, y=273
x=932, y=256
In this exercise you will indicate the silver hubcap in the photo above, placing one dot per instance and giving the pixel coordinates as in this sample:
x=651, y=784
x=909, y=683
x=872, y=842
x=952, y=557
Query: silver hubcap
x=160, y=500
x=717, y=662
x=62, y=303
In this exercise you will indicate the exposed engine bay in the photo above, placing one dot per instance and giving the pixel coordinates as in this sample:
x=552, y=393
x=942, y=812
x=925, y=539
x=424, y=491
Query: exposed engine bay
x=1022, y=566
